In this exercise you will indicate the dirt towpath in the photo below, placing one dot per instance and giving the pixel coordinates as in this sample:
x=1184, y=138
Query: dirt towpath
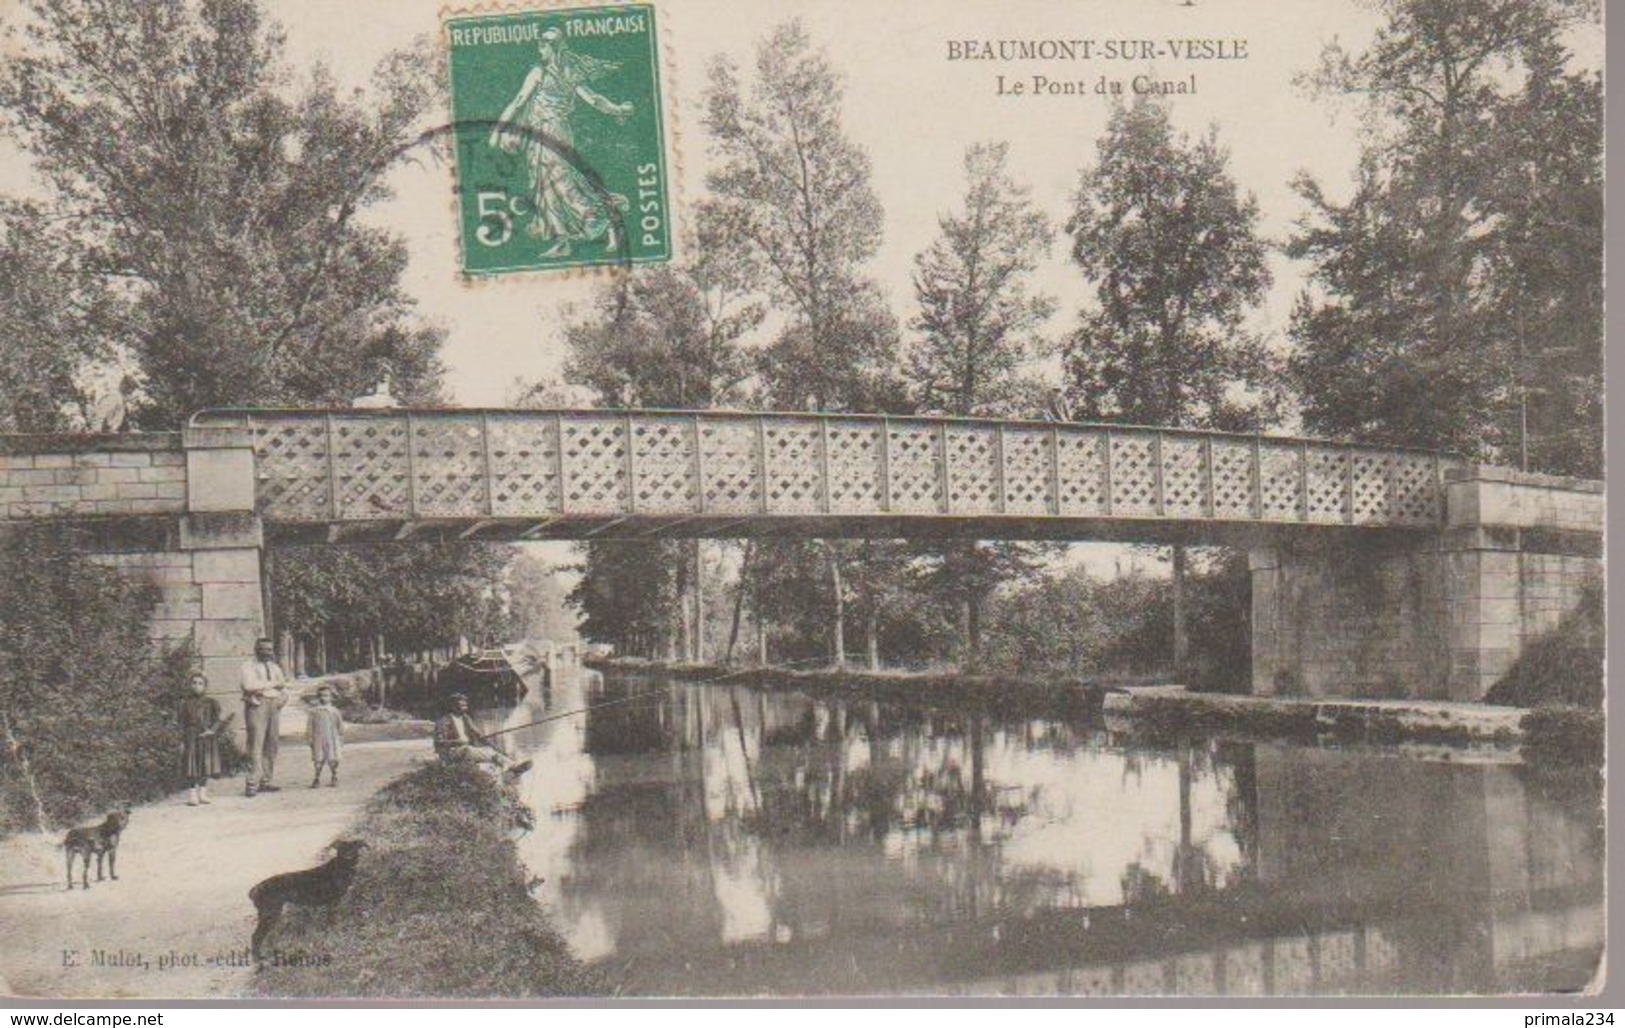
x=176, y=923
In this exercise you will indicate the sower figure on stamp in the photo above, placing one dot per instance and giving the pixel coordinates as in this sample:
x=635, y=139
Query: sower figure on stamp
x=568, y=207
x=265, y=691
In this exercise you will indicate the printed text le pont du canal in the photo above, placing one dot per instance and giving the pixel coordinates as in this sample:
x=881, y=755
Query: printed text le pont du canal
x=1170, y=49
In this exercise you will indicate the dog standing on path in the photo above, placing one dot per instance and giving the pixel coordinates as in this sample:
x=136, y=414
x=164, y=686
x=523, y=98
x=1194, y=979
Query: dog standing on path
x=318, y=887
x=98, y=840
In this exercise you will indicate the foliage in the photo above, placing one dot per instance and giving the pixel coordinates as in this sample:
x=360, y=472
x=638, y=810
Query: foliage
x=1462, y=278
x=977, y=319
x=668, y=337
x=1170, y=246
x=536, y=601
x=206, y=210
x=627, y=595
x=87, y=702
x=1073, y=624
x=792, y=193
x=413, y=595
x=1562, y=666
x=52, y=308
x=439, y=905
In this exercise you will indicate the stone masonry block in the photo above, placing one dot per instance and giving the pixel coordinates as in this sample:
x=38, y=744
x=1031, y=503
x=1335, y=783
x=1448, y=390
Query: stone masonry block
x=132, y=460
x=76, y=476
x=229, y=600
x=119, y=476
x=154, y=505
x=166, y=629
x=220, y=480
x=177, y=611
x=234, y=638
x=221, y=530
x=210, y=566
x=92, y=460
x=51, y=493
x=137, y=491
x=13, y=462
x=53, y=460
x=225, y=683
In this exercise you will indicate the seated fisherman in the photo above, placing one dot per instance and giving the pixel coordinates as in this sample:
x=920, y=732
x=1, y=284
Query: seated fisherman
x=456, y=739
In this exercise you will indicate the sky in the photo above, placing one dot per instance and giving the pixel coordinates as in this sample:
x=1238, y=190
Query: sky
x=912, y=109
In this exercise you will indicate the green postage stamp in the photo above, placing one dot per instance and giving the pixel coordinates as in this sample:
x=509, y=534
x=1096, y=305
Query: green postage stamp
x=560, y=152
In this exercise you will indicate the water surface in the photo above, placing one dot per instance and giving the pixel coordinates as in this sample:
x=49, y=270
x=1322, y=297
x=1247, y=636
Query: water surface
x=716, y=840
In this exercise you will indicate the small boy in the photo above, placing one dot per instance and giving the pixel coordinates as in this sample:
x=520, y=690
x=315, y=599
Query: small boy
x=326, y=736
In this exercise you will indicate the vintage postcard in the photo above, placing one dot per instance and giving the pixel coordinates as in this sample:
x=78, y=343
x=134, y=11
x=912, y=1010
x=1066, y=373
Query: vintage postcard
x=804, y=499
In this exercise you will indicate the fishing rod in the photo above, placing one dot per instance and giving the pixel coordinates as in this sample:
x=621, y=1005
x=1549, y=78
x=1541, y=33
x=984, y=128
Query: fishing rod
x=643, y=695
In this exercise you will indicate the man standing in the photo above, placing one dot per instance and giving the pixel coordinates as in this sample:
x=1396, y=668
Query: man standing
x=265, y=690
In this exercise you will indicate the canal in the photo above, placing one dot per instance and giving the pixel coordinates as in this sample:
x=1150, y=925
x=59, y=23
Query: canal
x=717, y=840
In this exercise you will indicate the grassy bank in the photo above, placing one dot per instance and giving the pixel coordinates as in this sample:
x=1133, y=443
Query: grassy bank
x=439, y=905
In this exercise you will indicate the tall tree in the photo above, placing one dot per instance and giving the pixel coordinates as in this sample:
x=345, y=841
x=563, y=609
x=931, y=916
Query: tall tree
x=53, y=309
x=1170, y=244
x=217, y=206
x=978, y=320
x=1460, y=286
x=977, y=325
x=667, y=337
x=793, y=194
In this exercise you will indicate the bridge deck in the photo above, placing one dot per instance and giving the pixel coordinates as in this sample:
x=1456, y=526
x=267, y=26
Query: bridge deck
x=541, y=474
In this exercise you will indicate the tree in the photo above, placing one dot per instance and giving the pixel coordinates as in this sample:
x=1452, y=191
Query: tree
x=792, y=193
x=87, y=702
x=977, y=320
x=1171, y=246
x=536, y=600
x=978, y=325
x=665, y=338
x=668, y=337
x=345, y=600
x=216, y=212
x=1463, y=276
x=52, y=308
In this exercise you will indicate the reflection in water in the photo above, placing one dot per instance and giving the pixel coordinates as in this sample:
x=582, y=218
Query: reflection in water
x=716, y=840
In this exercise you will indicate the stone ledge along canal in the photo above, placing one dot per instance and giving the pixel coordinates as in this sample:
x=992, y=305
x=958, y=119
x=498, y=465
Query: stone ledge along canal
x=720, y=840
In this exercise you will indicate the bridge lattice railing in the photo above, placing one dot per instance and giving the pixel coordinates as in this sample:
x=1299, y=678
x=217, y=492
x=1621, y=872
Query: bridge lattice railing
x=361, y=465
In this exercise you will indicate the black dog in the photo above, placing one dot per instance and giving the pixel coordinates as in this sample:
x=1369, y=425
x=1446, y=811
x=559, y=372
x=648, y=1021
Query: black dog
x=318, y=887
x=98, y=840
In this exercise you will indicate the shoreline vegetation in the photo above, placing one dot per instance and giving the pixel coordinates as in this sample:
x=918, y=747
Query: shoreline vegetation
x=440, y=905
x=1544, y=733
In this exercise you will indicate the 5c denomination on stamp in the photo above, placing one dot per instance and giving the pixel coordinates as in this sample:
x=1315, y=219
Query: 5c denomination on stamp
x=560, y=147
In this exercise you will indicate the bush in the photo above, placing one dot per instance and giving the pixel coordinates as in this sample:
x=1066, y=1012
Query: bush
x=87, y=703
x=1562, y=667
